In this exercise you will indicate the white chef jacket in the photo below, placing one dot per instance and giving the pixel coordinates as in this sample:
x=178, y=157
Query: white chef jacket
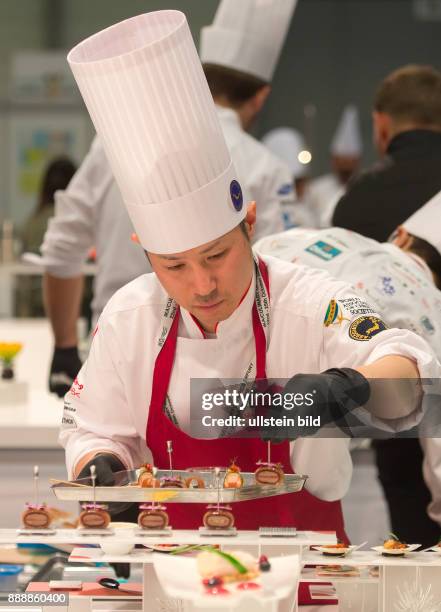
x=298, y=213
x=91, y=213
x=107, y=407
x=324, y=192
x=264, y=177
x=396, y=283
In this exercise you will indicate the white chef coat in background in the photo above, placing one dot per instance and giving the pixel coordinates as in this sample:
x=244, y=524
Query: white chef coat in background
x=263, y=176
x=107, y=407
x=324, y=193
x=396, y=283
x=91, y=213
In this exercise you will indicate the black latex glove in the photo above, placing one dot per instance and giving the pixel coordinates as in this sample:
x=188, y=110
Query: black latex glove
x=65, y=366
x=334, y=394
x=105, y=466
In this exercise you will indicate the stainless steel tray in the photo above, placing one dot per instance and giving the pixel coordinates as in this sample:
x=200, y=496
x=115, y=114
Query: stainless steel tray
x=125, y=491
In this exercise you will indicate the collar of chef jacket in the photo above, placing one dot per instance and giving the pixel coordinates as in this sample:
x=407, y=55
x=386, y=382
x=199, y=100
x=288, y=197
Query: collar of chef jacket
x=228, y=115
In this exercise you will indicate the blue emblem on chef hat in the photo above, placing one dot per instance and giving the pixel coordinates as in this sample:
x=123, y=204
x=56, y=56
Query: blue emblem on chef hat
x=236, y=195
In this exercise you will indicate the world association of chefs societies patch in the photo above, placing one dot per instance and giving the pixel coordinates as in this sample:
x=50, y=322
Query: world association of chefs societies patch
x=331, y=313
x=236, y=195
x=365, y=328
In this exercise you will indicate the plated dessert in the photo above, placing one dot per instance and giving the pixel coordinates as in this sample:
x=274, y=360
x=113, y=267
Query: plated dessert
x=393, y=546
x=94, y=516
x=217, y=567
x=269, y=473
x=36, y=516
x=153, y=516
x=218, y=517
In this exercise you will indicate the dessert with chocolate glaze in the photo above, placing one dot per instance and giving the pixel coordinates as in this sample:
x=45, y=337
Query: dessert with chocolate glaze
x=218, y=517
x=152, y=516
x=94, y=516
x=36, y=516
x=269, y=474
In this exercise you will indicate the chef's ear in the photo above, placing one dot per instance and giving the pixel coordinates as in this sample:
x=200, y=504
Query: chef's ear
x=250, y=219
x=401, y=238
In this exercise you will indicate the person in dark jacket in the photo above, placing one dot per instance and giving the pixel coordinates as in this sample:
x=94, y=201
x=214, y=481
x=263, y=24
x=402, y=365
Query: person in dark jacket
x=407, y=134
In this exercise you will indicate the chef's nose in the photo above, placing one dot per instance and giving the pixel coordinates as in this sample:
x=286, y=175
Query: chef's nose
x=204, y=282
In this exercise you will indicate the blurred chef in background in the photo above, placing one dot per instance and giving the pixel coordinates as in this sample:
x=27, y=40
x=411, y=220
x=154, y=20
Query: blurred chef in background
x=89, y=213
x=402, y=279
x=407, y=134
x=239, y=53
x=346, y=151
x=289, y=145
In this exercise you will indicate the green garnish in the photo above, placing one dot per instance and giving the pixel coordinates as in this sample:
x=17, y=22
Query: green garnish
x=234, y=562
x=394, y=537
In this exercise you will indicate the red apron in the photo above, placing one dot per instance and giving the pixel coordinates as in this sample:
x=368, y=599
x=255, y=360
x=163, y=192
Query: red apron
x=301, y=510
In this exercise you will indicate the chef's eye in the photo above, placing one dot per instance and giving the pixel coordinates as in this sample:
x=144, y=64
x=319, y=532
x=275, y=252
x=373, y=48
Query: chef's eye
x=175, y=268
x=217, y=255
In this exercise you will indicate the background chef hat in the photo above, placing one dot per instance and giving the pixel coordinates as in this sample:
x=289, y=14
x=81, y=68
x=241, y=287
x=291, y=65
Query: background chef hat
x=247, y=35
x=424, y=223
x=347, y=138
x=287, y=143
x=145, y=90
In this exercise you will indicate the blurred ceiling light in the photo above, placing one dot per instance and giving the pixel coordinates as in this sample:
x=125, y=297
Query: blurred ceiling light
x=304, y=157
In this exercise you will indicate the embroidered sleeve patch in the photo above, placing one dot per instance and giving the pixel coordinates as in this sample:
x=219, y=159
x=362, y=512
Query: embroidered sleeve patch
x=365, y=328
x=334, y=315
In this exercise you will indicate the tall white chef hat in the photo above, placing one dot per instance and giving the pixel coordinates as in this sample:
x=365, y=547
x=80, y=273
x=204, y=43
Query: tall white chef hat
x=144, y=87
x=287, y=144
x=424, y=223
x=247, y=35
x=347, y=138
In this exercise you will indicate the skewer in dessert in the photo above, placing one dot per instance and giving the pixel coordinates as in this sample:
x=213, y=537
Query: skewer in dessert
x=94, y=516
x=269, y=473
x=146, y=479
x=218, y=516
x=153, y=516
x=174, y=481
x=233, y=478
x=36, y=515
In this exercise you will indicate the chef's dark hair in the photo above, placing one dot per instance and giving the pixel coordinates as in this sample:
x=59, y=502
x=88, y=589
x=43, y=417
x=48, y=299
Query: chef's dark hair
x=411, y=94
x=430, y=255
x=236, y=86
x=56, y=176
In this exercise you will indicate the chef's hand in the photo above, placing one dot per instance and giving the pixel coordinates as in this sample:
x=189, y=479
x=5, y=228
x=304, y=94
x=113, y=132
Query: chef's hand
x=331, y=395
x=65, y=366
x=105, y=465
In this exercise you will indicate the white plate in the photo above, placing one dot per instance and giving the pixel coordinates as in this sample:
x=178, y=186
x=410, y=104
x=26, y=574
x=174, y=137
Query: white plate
x=180, y=579
x=397, y=551
x=334, y=552
x=436, y=549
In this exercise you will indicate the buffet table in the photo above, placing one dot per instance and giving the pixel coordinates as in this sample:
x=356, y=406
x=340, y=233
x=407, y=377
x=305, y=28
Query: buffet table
x=364, y=593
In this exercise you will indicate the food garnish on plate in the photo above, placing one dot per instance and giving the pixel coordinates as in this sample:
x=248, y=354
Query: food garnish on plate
x=217, y=567
x=393, y=543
